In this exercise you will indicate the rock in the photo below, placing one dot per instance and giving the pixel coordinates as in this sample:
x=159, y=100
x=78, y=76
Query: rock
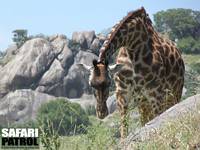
x=51, y=81
x=66, y=58
x=95, y=46
x=86, y=101
x=11, y=51
x=85, y=57
x=111, y=104
x=70, y=83
x=76, y=81
x=59, y=42
x=55, y=36
x=90, y=36
x=188, y=106
x=48, y=65
x=31, y=62
x=184, y=91
x=84, y=38
x=21, y=105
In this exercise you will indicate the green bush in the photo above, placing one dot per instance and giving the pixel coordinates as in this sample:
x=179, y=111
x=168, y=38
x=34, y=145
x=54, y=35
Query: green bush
x=196, y=67
x=189, y=45
x=98, y=137
x=20, y=37
x=90, y=110
x=63, y=117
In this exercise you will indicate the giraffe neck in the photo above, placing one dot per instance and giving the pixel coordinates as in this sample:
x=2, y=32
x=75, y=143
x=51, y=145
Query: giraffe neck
x=130, y=32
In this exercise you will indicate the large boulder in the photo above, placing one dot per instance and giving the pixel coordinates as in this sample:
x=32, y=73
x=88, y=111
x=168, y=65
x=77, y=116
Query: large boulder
x=180, y=110
x=11, y=51
x=58, y=42
x=111, y=104
x=96, y=45
x=86, y=101
x=66, y=58
x=48, y=65
x=21, y=105
x=31, y=62
x=84, y=38
x=76, y=81
x=51, y=81
x=66, y=79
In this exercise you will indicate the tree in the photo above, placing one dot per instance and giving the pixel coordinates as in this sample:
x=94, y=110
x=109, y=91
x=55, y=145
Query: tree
x=20, y=37
x=178, y=23
x=189, y=45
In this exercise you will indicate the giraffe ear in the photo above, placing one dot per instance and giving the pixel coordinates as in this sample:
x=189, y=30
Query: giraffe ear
x=94, y=62
x=115, y=68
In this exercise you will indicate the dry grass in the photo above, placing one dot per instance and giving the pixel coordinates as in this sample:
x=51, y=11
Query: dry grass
x=180, y=134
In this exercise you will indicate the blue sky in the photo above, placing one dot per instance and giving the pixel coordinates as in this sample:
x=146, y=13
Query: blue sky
x=66, y=16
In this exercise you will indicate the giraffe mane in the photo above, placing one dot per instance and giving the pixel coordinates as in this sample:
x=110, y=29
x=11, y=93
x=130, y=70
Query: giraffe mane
x=117, y=26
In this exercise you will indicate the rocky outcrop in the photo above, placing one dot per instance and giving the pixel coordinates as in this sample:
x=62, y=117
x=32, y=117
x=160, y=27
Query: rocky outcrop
x=88, y=41
x=189, y=106
x=11, y=51
x=30, y=63
x=21, y=105
x=84, y=38
x=48, y=65
x=111, y=104
x=87, y=101
x=51, y=81
x=76, y=78
x=43, y=69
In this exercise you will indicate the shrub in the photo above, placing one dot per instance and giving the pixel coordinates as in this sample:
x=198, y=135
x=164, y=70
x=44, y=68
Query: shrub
x=98, y=137
x=189, y=45
x=64, y=117
x=20, y=37
x=90, y=110
x=196, y=67
x=191, y=83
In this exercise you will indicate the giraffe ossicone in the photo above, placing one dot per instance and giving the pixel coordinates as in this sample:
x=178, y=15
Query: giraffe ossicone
x=151, y=72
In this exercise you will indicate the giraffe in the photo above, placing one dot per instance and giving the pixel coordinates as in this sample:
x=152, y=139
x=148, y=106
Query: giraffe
x=149, y=70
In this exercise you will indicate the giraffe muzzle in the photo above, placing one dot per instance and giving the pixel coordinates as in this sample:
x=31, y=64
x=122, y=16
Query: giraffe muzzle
x=102, y=115
x=101, y=111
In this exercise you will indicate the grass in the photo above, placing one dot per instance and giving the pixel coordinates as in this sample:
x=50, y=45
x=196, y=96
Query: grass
x=101, y=135
x=182, y=133
x=191, y=59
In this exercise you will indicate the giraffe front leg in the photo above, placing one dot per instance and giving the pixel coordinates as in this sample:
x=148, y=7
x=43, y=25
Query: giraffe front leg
x=122, y=104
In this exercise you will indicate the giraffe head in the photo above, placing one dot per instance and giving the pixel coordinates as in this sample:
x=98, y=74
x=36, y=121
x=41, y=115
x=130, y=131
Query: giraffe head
x=100, y=80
